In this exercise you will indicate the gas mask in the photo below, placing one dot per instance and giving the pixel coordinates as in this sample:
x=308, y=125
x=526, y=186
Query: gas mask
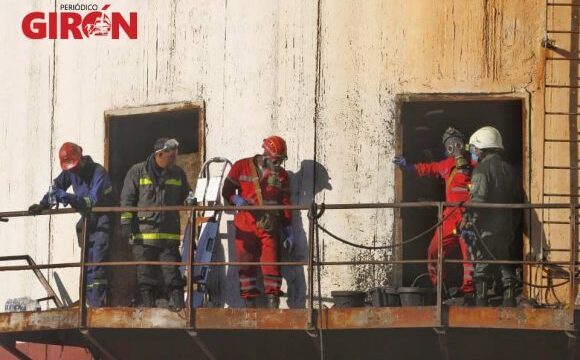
x=454, y=147
x=273, y=163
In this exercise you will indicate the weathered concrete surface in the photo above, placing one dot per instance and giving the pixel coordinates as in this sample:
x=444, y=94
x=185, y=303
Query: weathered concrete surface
x=254, y=63
x=368, y=55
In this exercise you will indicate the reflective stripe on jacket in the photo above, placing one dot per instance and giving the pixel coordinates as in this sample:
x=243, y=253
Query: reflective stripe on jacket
x=150, y=227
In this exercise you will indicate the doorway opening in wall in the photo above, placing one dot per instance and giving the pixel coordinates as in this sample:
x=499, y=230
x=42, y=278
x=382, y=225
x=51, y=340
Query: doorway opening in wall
x=130, y=135
x=423, y=120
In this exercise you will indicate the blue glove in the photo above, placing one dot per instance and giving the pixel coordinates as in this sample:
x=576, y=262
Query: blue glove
x=237, y=200
x=468, y=236
x=401, y=162
x=61, y=196
x=288, y=243
x=68, y=199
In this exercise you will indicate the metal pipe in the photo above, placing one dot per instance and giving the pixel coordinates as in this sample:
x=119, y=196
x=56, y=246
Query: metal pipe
x=192, y=235
x=563, y=4
x=423, y=204
x=295, y=263
x=198, y=208
x=376, y=262
x=10, y=214
x=440, y=265
x=83, y=280
x=508, y=262
x=40, y=276
x=572, y=270
x=107, y=354
x=311, y=215
x=154, y=263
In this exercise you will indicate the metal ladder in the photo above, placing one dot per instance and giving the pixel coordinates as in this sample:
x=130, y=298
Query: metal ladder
x=560, y=15
x=555, y=56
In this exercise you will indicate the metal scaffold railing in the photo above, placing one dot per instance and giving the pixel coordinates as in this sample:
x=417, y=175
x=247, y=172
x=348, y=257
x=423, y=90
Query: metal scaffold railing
x=313, y=260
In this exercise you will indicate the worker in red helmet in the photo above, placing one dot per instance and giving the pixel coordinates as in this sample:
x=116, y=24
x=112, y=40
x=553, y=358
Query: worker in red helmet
x=456, y=171
x=261, y=180
x=91, y=186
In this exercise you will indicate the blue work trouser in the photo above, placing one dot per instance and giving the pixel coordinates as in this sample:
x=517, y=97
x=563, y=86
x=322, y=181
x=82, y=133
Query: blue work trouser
x=99, y=232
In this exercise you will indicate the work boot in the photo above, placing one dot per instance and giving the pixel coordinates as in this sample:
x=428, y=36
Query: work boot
x=469, y=299
x=176, y=299
x=250, y=303
x=272, y=301
x=147, y=298
x=481, y=294
x=509, y=299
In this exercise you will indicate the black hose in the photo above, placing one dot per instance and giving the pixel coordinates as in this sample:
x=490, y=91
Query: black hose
x=404, y=242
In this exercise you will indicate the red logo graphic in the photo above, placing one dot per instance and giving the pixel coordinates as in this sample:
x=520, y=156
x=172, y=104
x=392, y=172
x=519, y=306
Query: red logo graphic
x=67, y=25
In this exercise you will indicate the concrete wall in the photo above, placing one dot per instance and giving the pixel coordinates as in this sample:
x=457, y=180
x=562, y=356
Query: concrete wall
x=324, y=75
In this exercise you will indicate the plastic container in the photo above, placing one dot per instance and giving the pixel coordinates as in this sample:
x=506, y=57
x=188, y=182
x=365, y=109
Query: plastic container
x=8, y=305
x=384, y=296
x=21, y=304
x=348, y=299
x=417, y=296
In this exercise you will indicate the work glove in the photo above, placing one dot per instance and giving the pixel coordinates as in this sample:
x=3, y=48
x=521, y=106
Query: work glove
x=35, y=209
x=401, y=162
x=288, y=242
x=62, y=196
x=126, y=231
x=190, y=200
x=468, y=236
x=69, y=199
x=237, y=200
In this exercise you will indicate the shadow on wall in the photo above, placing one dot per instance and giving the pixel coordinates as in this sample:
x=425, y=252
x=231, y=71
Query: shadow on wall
x=301, y=183
x=302, y=193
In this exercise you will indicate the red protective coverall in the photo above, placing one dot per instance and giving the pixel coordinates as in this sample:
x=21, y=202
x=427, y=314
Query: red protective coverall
x=254, y=243
x=456, y=190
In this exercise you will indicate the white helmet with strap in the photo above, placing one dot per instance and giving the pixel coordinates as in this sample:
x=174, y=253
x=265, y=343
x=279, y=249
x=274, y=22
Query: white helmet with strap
x=486, y=138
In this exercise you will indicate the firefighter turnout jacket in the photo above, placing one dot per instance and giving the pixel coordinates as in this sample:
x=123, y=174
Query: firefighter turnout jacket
x=143, y=189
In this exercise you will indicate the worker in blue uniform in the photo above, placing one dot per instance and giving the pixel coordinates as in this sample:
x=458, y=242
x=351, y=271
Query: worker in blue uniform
x=92, y=187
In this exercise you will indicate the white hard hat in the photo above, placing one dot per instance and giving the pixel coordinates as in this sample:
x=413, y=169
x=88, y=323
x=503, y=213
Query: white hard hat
x=486, y=138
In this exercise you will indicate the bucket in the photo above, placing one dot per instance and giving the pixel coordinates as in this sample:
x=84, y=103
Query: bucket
x=417, y=296
x=384, y=296
x=348, y=299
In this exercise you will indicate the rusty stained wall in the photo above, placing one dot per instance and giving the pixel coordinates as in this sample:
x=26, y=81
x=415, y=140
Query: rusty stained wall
x=324, y=74
x=560, y=152
x=369, y=55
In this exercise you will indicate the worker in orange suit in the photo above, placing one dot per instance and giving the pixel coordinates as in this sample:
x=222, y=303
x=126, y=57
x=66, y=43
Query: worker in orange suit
x=261, y=180
x=455, y=170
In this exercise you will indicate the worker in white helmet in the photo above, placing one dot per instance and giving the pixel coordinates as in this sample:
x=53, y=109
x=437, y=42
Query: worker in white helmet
x=491, y=231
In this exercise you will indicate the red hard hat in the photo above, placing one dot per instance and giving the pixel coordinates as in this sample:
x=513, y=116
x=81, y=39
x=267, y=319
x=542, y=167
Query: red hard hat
x=70, y=155
x=275, y=146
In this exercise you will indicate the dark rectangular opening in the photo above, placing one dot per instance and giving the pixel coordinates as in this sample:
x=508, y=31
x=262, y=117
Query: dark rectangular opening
x=422, y=125
x=131, y=134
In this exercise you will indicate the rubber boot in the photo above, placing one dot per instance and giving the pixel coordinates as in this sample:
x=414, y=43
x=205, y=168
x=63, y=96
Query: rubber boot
x=147, y=298
x=481, y=294
x=176, y=301
x=509, y=299
x=250, y=303
x=96, y=296
x=272, y=301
